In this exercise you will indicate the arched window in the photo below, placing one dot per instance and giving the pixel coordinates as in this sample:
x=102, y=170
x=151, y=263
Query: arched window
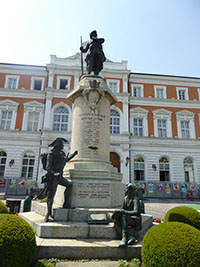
x=189, y=170
x=115, y=160
x=164, y=169
x=3, y=158
x=60, y=119
x=114, y=122
x=28, y=165
x=139, y=169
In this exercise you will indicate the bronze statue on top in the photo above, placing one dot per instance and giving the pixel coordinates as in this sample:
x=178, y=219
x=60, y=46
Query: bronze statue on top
x=54, y=163
x=95, y=55
x=128, y=219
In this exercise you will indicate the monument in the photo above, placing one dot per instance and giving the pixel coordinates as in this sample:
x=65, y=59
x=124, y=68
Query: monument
x=97, y=188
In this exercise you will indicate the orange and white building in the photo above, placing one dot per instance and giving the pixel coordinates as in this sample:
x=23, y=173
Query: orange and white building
x=155, y=124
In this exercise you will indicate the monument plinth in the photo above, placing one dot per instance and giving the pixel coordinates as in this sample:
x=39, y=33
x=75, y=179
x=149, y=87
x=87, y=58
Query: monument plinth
x=96, y=183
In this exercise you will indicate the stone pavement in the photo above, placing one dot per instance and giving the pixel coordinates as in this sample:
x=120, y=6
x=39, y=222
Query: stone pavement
x=159, y=207
x=88, y=264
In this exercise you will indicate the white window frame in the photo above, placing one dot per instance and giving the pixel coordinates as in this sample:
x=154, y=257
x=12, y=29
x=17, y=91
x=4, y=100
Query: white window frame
x=32, y=106
x=33, y=79
x=9, y=105
x=139, y=113
x=182, y=89
x=61, y=104
x=113, y=125
x=60, y=122
x=138, y=127
x=28, y=165
x=12, y=77
x=162, y=128
x=198, y=89
x=59, y=78
x=141, y=86
x=3, y=164
x=162, y=114
x=117, y=82
x=164, y=88
x=186, y=115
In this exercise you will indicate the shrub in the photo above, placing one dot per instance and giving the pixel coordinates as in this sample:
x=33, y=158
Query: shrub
x=185, y=215
x=171, y=244
x=3, y=208
x=17, y=242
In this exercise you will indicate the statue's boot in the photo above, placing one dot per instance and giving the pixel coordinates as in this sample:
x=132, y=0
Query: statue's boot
x=131, y=240
x=49, y=217
x=123, y=242
x=67, y=193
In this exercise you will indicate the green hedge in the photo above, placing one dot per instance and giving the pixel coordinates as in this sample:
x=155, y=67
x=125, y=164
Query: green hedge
x=171, y=244
x=184, y=214
x=3, y=208
x=17, y=242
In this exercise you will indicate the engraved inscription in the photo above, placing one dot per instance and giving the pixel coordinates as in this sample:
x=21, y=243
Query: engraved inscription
x=91, y=132
x=92, y=190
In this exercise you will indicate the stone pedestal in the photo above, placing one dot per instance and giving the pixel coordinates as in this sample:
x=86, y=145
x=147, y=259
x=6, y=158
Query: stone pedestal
x=96, y=183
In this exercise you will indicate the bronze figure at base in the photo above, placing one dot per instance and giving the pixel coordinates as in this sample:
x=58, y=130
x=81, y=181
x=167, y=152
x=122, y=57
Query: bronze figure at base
x=54, y=163
x=128, y=219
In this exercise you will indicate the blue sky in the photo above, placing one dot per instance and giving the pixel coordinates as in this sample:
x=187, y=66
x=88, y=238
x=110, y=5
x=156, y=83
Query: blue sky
x=154, y=36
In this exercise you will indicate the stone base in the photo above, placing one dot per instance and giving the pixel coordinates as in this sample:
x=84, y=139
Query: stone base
x=74, y=223
x=95, y=184
x=85, y=249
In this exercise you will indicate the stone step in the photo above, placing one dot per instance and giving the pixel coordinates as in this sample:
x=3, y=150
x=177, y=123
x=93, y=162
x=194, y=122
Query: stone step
x=68, y=229
x=85, y=249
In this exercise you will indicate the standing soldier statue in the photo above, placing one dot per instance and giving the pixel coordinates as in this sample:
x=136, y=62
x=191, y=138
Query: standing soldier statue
x=95, y=55
x=54, y=163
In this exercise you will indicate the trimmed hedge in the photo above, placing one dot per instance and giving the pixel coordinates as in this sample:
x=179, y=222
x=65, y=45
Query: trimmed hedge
x=17, y=242
x=3, y=208
x=171, y=244
x=184, y=214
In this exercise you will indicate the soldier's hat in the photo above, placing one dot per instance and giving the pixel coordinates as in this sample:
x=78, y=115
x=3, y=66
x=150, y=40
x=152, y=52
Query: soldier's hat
x=58, y=141
x=93, y=33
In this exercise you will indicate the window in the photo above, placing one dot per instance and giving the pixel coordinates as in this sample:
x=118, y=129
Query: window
x=185, y=129
x=114, y=122
x=198, y=89
x=6, y=118
x=185, y=123
x=139, y=122
x=162, y=123
x=162, y=128
x=188, y=170
x=60, y=119
x=11, y=81
x=164, y=169
x=137, y=90
x=138, y=127
x=33, y=119
x=113, y=85
x=28, y=165
x=139, y=169
x=3, y=158
x=33, y=113
x=8, y=114
x=63, y=82
x=160, y=91
x=37, y=83
x=182, y=93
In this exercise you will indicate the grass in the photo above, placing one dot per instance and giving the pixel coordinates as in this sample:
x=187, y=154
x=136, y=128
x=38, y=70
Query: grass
x=196, y=207
x=52, y=262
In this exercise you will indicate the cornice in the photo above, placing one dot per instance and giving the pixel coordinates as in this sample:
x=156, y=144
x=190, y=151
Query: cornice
x=144, y=101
